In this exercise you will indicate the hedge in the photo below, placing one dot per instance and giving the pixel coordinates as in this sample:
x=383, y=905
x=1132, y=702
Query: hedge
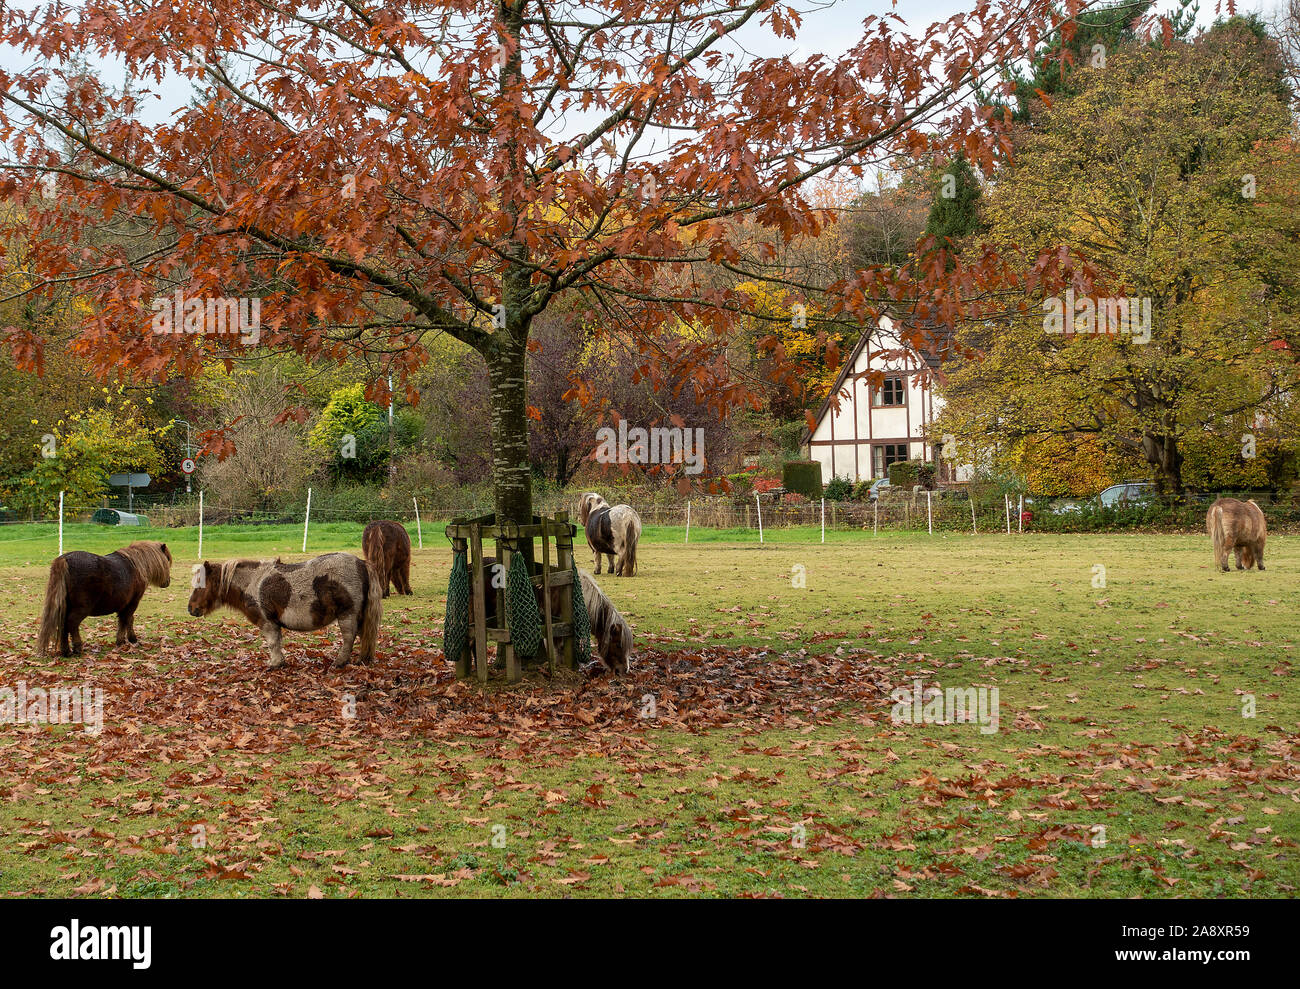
x=803, y=477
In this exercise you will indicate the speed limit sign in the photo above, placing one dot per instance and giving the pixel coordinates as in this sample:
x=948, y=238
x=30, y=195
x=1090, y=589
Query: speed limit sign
x=187, y=465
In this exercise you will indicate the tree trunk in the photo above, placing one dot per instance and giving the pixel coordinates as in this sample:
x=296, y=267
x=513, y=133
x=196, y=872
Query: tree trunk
x=512, y=486
x=1162, y=453
x=562, y=467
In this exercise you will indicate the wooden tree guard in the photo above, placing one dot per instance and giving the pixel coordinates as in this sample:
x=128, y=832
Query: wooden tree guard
x=468, y=536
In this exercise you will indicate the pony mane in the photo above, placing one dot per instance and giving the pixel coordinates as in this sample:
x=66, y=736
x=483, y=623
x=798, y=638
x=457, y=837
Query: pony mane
x=149, y=560
x=226, y=575
x=589, y=503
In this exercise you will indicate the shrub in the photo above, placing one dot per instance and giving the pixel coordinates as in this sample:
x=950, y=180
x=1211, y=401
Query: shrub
x=741, y=484
x=794, y=498
x=862, y=490
x=839, y=489
x=904, y=474
x=803, y=476
x=926, y=474
x=766, y=484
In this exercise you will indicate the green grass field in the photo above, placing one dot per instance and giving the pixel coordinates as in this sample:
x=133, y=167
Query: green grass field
x=750, y=752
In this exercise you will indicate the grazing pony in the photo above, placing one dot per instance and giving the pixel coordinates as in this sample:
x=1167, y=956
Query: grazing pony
x=83, y=584
x=387, y=547
x=610, y=629
x=610, y=531
x=1237, y=526
x=302, y=597
x=612, y=632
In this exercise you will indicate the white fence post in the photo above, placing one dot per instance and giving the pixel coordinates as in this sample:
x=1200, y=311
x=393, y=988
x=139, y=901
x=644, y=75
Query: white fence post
x=823, y=520
x=306, y=521
x=974, y=531
x=688, y=521
x=929, y=516
x=1006, y=502
x=419, y=534
x=759, y=505
x=200, y=524
x=875, y=516
x=60, y=523
x=1020, y=519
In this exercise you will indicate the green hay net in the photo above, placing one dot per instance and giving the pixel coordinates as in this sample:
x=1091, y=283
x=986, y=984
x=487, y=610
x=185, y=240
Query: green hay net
x=455, y=630
x=581, y=624
x=521, y=608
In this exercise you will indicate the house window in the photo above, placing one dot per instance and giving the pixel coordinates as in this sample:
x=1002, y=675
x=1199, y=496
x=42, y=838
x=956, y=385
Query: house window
x=891, y=392
x=884, y=455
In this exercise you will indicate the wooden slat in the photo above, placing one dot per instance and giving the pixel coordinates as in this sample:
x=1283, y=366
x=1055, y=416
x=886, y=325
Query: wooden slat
x=513, y=672
x=562, y=629
x=546, y=603
x=480, y=604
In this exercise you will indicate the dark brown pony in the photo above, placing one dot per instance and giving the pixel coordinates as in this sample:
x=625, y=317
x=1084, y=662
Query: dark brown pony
x=83, y=584
x=387, y=548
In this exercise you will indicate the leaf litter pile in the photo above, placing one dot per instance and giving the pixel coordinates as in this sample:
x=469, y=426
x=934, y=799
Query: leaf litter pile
x=724, y=771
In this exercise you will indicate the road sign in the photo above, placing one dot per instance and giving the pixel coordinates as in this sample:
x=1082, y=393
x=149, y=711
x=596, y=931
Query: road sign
x=187, y=465
x=129, y=480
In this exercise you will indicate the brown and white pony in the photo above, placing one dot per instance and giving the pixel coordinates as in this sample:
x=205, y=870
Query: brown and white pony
x=611, y=531
x=302, y=597
x=84, y=584
x=387, y=546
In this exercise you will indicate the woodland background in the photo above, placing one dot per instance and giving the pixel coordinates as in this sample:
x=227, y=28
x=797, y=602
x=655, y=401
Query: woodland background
x=1171, y=162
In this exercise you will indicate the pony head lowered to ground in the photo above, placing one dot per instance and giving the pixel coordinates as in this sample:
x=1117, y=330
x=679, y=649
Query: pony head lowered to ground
x=611, y=630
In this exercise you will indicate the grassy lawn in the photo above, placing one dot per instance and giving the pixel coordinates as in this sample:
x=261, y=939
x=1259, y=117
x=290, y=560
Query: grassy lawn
x=750, y=752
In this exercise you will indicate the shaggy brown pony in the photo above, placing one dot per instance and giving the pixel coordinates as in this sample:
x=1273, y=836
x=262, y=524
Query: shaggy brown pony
x=1237, y=526
x=611, y=531
x=387, y=547
x=83, y=584
x=302, y=597
x=609, y=628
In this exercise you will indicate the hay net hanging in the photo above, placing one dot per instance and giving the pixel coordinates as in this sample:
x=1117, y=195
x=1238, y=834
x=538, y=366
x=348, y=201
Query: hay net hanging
x=455, y=630
x=581, y=623
x=521, y=608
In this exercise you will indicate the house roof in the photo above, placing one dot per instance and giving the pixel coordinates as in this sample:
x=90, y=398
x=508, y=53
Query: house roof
x=941, y=336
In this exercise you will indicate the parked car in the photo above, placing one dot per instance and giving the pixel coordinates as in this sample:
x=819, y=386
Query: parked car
x=881, y=485
x=1115, y=496
x=1128, y=493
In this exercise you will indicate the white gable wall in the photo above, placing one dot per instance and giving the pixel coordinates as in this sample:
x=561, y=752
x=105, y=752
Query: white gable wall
x=845, y=439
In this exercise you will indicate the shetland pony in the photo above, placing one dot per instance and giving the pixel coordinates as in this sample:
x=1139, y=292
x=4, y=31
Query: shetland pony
x=612, y=632
x=1237, y=526
x=302, y=597
x=387, y=546
x=613, y=532
x=83, y=584
x=609, y=628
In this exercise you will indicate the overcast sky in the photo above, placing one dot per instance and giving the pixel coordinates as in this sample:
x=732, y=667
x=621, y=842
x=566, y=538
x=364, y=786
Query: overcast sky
x=829, y=27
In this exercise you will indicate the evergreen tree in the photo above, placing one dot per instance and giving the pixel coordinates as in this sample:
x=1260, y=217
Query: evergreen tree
x=954, y=213
x=1095, y=34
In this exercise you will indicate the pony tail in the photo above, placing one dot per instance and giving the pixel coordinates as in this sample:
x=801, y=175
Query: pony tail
x=55, y=613
x=629, y=566
x=371, y=612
